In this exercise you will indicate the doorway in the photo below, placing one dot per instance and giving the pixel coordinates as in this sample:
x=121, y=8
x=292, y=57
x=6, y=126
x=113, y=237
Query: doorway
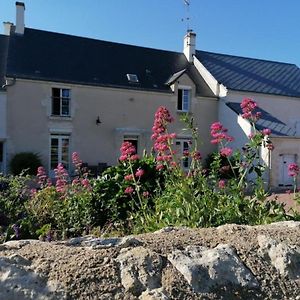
x=286, y=160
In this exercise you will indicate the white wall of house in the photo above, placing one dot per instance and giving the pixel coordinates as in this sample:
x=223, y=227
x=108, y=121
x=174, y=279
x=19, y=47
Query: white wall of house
x=3, y=133
x=287, y=110
x=2, y=115
x=121, y=111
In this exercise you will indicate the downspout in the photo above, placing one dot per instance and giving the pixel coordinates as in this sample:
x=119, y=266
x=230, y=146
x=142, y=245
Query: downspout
x=7, y=83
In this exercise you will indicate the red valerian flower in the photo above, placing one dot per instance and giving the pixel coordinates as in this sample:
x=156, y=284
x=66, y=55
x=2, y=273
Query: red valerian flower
x=226, y=151
x=266, y=131
x=293, y=170
x=222, y=184
x=219, y=133
x=139, y=172
x=248, y=106
x=128, y=151
x=129, y=190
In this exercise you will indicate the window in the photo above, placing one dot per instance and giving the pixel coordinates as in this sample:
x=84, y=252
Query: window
x=183, y=148
x=59, y=151
x=132, y=78
x=133, y=139
x=183, y=100
x=61, y=102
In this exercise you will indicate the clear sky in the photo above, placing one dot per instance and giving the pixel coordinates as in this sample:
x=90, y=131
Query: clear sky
x=267, y=29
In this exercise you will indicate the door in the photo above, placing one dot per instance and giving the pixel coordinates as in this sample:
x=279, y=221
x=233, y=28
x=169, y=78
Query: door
x=59, y=152
x=286, y=160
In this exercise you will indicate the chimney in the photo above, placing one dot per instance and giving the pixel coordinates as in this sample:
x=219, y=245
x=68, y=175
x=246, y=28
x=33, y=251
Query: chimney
x=7, y=27
x=189, y=45
x=20, y=26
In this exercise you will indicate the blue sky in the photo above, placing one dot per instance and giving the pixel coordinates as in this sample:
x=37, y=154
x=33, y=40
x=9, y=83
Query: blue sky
x=267, y=29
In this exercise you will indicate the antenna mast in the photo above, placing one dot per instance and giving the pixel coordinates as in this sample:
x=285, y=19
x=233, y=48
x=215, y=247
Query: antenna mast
x=187, y=18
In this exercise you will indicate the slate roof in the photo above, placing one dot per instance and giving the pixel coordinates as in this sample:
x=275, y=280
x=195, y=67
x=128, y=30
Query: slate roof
x=277, y=127
x=49, y=56
x=3, y=56
x=253, y=75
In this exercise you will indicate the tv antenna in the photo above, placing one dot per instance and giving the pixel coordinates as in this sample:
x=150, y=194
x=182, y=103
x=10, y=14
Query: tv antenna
x=187, y=18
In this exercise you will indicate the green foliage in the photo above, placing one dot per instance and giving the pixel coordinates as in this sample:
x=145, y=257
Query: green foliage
x=26, y=162
x=146, y=194
x=110, y=202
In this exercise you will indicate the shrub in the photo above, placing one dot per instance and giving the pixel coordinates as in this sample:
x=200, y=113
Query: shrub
x=26, y=162
x=110, y=201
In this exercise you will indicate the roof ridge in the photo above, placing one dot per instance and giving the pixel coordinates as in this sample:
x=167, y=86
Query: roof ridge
x=99, y=40
x=251, y=58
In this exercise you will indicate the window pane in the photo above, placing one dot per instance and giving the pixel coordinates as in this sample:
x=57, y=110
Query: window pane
x=186, y=98
x=185, y=161
x=65, y=152
x=56, y=106
x=179, y=100
x=65, y=93
x=65, y=107
x=54, y=153
x=56, y=93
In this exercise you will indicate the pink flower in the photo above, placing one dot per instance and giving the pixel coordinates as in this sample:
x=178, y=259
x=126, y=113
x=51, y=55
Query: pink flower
x=146, y=194
x=266, y=131
x=226, y=151
x=219, y=133
x=42, y=177
x=128, y=177
x=129, y=190
x=75, y=182
x=77, y=162
x=162, y=140
x=196, y=155
x=139, y=172
x=86, y=183
x=293, y=170
x=61, y=176
x=159, y=167
x=186, y=153
x=222, y=184
x=127, y=151
x=248, y=106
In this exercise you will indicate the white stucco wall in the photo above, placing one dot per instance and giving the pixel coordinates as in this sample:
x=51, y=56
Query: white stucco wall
x=286, y=109
x=121, y=112
x=2, y=115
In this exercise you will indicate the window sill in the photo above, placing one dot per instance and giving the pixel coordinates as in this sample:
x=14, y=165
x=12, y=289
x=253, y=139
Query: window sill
x=60, y=118
x=183, y=111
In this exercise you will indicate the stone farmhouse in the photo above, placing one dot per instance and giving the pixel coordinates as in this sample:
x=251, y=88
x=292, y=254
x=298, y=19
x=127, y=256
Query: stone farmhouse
x=61, y=93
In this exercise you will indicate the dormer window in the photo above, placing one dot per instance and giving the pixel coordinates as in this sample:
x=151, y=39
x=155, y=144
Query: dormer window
x=132, y=78
x=61, y=99
x=183, y=99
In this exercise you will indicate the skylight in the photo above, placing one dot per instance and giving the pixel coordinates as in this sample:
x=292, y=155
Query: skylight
x=132, y=78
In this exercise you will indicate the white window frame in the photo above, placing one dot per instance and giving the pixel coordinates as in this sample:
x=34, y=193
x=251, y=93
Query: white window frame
x=186, y=98
x=61, y=98
x=60, y=138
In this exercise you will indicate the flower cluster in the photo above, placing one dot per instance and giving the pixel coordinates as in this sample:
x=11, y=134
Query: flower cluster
x=226, y=151
x=162, y=140
x=128, y=152
x=42, y=177
x=293, y=170
x=248, y=107
x=77, y=162
x=219, y=133
x=61, y=176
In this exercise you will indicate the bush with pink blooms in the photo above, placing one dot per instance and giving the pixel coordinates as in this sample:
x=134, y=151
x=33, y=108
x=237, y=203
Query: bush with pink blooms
x=147, y=193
